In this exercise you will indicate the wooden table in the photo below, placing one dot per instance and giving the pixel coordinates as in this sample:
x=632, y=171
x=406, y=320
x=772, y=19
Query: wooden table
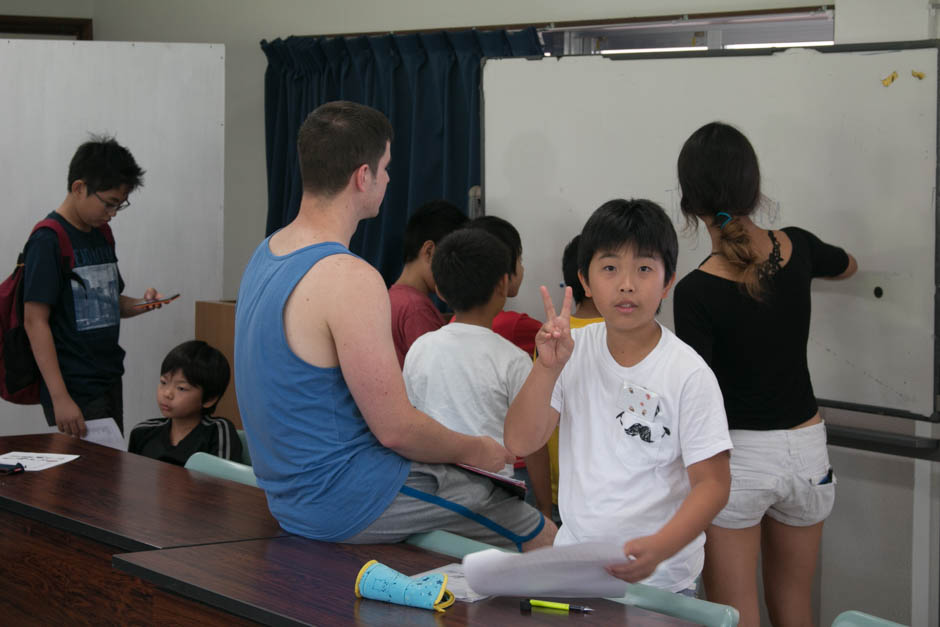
x=295, y=581
x=61, y=526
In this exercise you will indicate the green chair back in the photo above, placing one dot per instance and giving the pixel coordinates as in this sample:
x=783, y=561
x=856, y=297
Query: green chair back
x=246, y=456
x=854, y=618
x=679, y=606
x=222, y=468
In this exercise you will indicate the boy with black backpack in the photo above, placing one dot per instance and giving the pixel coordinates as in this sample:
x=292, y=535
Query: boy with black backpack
x=72, y=298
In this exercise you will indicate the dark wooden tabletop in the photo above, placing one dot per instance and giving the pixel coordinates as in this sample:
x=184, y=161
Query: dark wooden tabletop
x=294, y=581
x=129, y=501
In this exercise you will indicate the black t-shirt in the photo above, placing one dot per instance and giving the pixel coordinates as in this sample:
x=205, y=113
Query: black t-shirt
x=758, y=349
x=85, y=316
x=216, y=436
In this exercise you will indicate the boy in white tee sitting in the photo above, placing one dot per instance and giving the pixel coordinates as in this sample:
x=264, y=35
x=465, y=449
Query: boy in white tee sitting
x=465, y=375
x=643, y=437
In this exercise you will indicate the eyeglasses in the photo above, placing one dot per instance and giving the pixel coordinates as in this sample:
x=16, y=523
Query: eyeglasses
x=110, y=206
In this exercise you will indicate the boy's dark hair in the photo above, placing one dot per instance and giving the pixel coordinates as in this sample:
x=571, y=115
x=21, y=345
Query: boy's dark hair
x=335, y=140
x=104, y=164
x=467, y=266
x=431, y=221
x=506, y=233
x=639, y=223
x=203, y=366
x=569, y=270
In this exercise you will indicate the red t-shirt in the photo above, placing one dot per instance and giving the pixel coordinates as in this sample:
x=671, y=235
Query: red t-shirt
x=413, y=315
x=518, y=328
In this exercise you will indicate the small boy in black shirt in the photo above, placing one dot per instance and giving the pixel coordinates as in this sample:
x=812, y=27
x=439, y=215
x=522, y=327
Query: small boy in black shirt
x=193, y=378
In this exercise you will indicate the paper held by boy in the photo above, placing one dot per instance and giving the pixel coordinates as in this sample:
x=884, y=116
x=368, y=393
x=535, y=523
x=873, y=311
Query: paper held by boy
x=575, y=570
x=102, y=431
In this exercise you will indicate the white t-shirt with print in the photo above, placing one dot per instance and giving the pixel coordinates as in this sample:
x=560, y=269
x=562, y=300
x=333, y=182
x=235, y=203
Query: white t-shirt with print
x=465, y=376
x=622, y=464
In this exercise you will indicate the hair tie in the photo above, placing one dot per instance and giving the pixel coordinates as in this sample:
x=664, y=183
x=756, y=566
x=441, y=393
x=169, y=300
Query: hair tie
x=726, y=221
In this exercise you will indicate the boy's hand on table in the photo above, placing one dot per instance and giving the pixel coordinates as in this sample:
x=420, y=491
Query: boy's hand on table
x=69, y=418
x=553, y=341
x=644, y=555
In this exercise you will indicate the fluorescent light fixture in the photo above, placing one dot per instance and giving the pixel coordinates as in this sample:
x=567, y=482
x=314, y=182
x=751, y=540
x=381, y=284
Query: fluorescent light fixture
x=791, y=44
x=650, y=50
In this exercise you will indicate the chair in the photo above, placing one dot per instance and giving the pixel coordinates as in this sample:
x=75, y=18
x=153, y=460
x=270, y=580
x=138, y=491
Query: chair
x=246, y=456
x=679, y=606
x=854, y=618
x=447, y=543
x=222, y=468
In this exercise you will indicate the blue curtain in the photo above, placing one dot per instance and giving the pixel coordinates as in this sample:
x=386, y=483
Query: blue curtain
x=427, y=84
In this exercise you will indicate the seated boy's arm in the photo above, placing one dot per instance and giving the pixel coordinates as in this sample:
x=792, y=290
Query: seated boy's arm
x=68, y=416
x=711, y=483
x=540, y=475
x=357, y=315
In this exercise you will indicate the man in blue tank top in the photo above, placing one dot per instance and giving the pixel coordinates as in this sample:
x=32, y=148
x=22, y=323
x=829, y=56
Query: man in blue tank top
x=339, y=450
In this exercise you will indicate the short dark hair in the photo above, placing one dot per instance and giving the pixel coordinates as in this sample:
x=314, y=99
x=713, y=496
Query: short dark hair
x=467, y=266
x=431, y=221
x=104, y=164
x=569, y=270
x=203, y=366
x=506, y=233
x=335, y=140
x=620, y=223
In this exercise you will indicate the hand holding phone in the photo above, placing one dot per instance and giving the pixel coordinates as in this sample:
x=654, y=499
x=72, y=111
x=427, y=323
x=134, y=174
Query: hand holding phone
x=156, y=301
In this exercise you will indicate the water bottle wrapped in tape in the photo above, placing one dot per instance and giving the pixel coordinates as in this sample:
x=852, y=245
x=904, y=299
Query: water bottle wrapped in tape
x=381, y=583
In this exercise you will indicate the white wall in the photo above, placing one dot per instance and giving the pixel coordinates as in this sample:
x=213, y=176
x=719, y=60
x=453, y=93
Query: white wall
x=894, y=560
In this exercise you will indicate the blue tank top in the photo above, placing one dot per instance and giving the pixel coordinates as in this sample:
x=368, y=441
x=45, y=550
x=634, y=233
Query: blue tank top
x=325, y=474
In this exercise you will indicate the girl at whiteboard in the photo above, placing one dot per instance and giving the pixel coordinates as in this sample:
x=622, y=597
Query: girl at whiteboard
x=746, y=310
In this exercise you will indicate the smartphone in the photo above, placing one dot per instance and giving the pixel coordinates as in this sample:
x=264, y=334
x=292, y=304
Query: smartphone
x=160, y=301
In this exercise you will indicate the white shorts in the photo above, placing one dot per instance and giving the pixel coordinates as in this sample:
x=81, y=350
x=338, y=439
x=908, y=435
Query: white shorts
x=784, y=474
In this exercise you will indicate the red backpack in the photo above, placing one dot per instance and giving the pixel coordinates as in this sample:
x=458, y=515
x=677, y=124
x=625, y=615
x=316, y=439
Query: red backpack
x=19, y=374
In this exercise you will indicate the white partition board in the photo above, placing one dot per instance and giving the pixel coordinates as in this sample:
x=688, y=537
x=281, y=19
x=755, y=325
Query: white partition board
x=165, y=102
x=841, y=155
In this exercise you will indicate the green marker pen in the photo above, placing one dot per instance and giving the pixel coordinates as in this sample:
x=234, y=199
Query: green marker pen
x=528, y=604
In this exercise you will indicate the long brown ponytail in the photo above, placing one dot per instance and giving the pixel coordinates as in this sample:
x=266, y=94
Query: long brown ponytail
x=719, y=174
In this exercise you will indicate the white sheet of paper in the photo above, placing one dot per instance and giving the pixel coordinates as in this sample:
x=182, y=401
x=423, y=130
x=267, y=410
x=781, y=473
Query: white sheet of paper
x=456, y=583
x=102, y=431
x=36, y=461
x=105, y=431
x=576, y=570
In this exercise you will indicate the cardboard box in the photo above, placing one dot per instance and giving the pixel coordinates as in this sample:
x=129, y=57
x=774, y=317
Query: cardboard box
x=215, y=325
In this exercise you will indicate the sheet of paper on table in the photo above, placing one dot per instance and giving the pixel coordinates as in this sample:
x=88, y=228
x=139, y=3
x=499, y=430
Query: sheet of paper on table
x=576, y=570
x=35, y=461
x=456, y=583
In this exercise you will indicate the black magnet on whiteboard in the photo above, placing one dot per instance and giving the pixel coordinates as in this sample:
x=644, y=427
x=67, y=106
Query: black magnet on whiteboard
x=879, y=292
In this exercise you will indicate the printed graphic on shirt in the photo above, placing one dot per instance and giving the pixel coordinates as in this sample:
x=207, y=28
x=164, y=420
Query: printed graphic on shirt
x=96, y=297
x=639, y=409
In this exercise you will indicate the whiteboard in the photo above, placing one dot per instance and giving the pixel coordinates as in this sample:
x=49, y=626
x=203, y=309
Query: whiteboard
x=165, y=103
x=841, y=155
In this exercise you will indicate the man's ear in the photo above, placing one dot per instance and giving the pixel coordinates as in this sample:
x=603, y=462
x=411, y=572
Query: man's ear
x=362, y=176
x=585, y=285
x=77, y=186
x=209, y=403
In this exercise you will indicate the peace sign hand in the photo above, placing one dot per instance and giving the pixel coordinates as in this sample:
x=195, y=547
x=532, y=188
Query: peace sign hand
x=553, y=341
